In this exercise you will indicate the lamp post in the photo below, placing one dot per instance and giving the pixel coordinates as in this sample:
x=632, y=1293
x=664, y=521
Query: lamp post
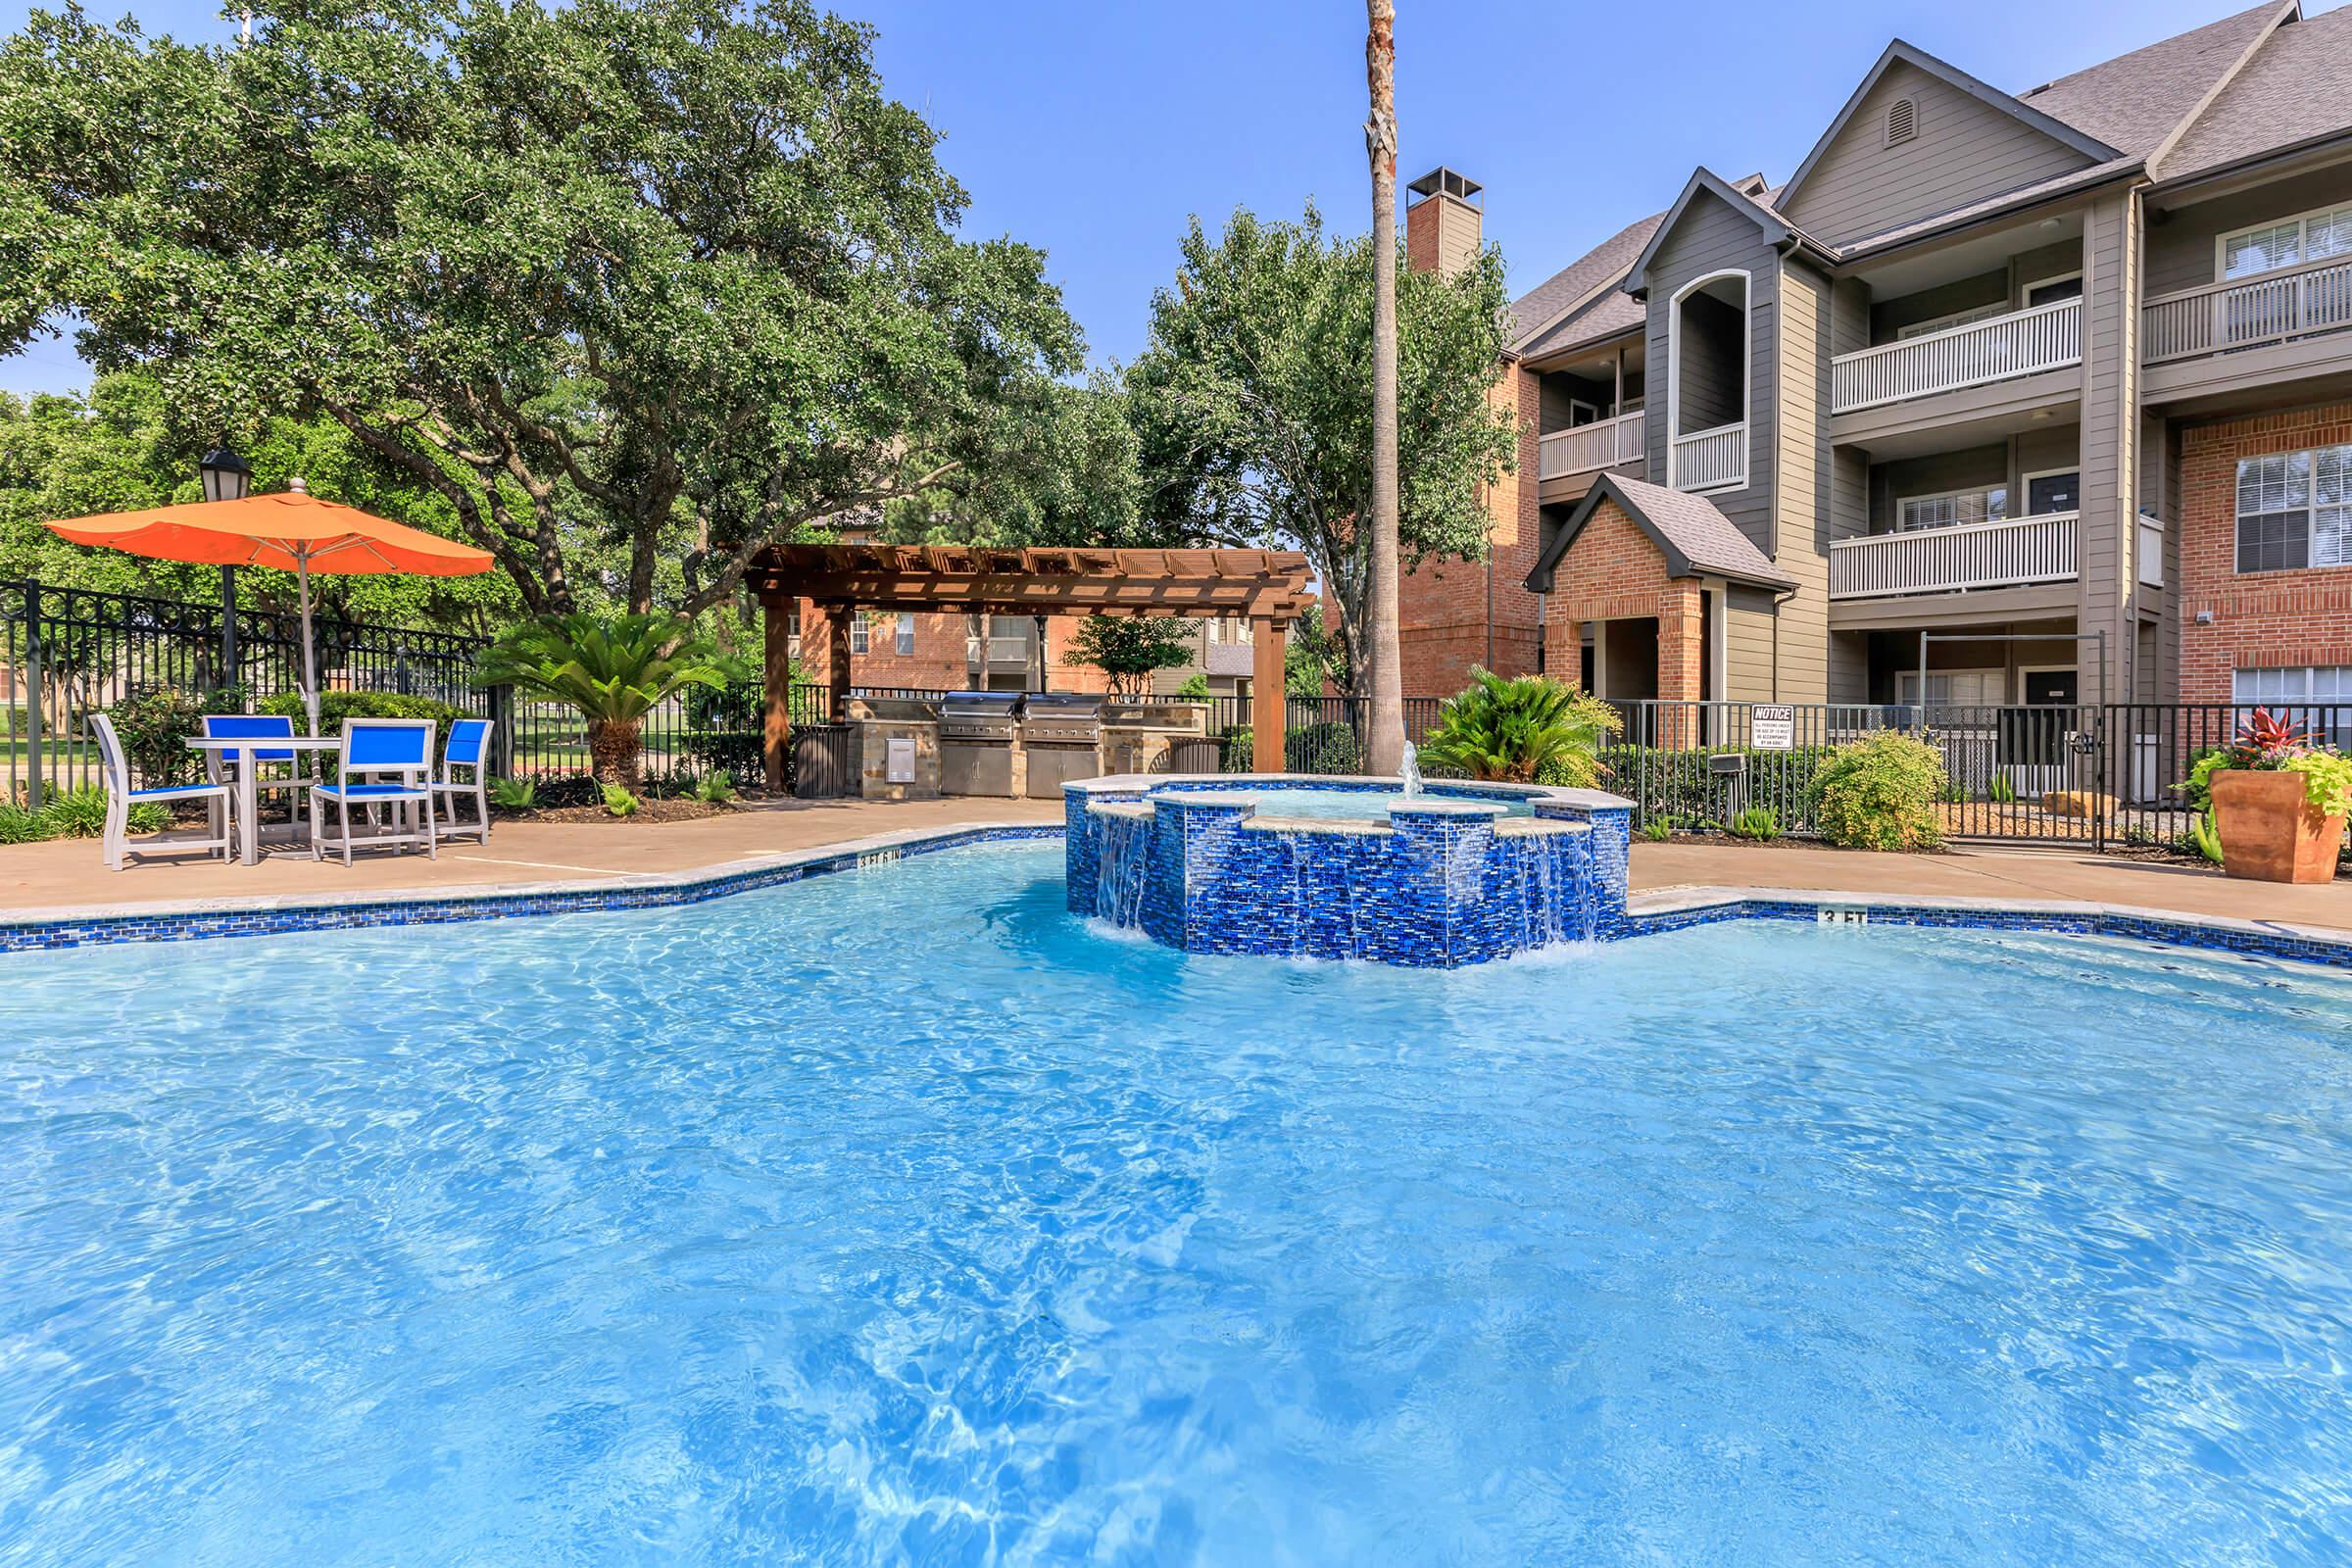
x=227, y=477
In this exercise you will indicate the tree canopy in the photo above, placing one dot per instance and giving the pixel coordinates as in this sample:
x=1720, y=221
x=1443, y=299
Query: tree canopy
x=1130, y=650
x=658, y=281
x=1253, y=403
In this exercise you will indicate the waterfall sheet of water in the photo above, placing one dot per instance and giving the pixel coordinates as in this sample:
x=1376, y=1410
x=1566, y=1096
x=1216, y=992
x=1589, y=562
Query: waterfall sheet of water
x=1123, y=857
x=1410, y=772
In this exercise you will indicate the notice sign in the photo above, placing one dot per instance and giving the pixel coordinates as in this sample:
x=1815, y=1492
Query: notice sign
x=1772, y=728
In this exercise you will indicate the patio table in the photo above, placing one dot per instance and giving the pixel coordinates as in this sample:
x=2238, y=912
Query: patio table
x=247, y=810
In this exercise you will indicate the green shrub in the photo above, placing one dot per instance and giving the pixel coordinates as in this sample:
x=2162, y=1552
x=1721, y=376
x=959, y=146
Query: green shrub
x=1330, y=747
x=153, y=728
x=1880, y=793
x=1515, y=728
x=1758, y=823
x=20, y=826
x=513, y=794
x=714, y=788
x=1681, y=783
x=1658, y=829
x=336, y=707
x=2000, y=792
x=2205, y=836
x=1194, y=688
x=737, y=753
x=619, y=802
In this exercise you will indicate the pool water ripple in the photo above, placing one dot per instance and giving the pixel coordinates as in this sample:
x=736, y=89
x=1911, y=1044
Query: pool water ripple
x=904, y=1216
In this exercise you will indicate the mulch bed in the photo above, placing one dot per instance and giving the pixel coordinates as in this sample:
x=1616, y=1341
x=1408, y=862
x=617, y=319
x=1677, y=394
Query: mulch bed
x=647, y=810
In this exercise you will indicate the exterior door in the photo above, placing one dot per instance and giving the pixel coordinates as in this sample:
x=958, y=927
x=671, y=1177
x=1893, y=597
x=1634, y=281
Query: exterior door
x=2049, y=688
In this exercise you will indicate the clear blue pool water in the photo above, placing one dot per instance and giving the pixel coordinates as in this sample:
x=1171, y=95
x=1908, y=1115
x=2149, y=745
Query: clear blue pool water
x=901, y=1217
x=1357, y=804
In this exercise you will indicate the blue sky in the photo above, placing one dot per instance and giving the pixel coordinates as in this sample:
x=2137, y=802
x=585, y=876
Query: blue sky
x=1093, y=128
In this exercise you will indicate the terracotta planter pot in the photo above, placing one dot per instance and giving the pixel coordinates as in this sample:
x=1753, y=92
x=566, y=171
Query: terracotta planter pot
x=2269, y=830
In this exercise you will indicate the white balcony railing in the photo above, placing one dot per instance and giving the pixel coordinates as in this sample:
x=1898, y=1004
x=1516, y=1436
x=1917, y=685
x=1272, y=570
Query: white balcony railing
x=1995, y=349
x=1708, y=459
x=2009, y=553
x=2295, y=302
x=1602, y=445
x=998, y=649
x=2148, y=555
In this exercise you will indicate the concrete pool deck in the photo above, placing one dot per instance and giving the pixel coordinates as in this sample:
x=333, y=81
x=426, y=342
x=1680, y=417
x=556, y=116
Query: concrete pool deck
x=66, y=875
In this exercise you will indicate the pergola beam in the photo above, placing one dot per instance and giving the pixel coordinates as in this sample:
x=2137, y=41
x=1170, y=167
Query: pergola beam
x=1266, y=587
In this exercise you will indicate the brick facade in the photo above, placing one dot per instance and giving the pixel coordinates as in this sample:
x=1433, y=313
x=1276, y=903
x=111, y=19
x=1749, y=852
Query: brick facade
x=1614, y=572
x=941, y=659
x=2262, y=619
x=1451, y=613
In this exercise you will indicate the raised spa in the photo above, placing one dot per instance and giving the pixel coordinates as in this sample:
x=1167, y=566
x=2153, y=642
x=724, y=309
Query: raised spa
x=1346, y=868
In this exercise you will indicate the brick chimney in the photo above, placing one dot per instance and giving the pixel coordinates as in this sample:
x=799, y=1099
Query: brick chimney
x=1441, y=222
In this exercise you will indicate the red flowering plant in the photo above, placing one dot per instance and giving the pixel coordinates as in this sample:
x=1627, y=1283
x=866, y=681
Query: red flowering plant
x=2278, y=744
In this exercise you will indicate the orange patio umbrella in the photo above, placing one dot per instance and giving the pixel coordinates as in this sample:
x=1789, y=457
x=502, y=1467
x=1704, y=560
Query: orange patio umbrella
x=294, y=531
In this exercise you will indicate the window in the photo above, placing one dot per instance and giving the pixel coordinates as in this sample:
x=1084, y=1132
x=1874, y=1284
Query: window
x=2311, y=237
x=1953, y=688
x=2057, y=490
x=858, y=636
x=2328, y=687
x=906, y=635
x=1903, y=121
x=2051, y=290
x=2294, y=510
x=1988, y=505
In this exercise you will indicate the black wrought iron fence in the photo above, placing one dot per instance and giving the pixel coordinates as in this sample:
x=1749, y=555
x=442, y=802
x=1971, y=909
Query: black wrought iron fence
x=67, y=653
x=1320, y=734
x=2090, y=774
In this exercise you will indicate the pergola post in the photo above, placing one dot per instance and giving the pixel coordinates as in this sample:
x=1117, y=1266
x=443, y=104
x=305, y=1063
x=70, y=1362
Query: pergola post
x=1268, y=704
x=837, y=658
x=776, y=720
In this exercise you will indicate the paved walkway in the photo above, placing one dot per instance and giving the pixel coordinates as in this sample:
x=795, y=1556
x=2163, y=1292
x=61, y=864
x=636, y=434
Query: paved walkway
x=2016, y=875
x=67, y=875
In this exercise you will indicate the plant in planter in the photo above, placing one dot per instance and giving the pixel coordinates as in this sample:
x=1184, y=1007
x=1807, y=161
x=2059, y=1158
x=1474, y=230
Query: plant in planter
x=2279, y=801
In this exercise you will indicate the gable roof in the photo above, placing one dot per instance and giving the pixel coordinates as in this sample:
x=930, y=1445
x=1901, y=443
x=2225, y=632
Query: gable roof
x=1574, y=288
x=1900, y=53
x=2296, y=89
x=1750, y=206
x=2137, y=101
x=1696, y=539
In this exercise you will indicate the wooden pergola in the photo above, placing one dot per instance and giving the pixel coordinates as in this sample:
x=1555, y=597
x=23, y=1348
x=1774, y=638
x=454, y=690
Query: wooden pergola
x=1265, y=587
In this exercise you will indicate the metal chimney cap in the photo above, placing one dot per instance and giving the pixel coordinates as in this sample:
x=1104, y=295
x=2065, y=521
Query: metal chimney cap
x=1444, y=180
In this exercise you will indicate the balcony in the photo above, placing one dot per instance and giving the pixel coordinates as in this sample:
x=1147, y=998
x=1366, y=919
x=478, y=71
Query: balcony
x=2148, y=554
x=1607, y=444
x=1708, y=459
x=2002, y=348
x=2013, y=552
x=2220, y=318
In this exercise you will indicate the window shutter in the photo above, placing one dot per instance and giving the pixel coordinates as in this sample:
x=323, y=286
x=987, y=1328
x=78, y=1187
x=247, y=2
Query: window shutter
x=1903, y=121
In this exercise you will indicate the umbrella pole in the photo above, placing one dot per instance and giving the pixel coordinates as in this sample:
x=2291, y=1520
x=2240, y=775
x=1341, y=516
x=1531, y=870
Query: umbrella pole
x=309, y=668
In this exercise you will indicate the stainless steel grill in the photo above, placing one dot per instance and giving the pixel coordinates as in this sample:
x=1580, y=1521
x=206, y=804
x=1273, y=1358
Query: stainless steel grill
x=977, y=731
x=1063, y=733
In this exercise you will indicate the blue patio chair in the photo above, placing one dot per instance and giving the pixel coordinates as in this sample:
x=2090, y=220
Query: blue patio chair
x=113, y=845
x=267, y=765
x=469, y=747
x=400, y=746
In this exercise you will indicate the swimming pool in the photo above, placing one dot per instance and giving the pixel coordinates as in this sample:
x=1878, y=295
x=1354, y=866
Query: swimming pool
x=902, y=1214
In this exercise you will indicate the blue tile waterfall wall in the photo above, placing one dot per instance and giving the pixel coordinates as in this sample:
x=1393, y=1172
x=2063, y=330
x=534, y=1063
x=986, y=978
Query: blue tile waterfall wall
x=1443, y=883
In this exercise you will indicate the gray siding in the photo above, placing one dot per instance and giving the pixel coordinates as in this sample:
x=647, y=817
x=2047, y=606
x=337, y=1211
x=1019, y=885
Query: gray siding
x=2181, y=248
x=1966, y=150
x=2103, y=541
x=1711, y=237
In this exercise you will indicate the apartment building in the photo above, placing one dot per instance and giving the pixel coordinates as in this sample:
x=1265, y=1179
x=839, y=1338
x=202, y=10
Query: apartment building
x=2066, y=371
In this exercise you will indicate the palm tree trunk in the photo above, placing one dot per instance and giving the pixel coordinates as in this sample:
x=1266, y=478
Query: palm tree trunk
x=615, y=753
x=1385, y=745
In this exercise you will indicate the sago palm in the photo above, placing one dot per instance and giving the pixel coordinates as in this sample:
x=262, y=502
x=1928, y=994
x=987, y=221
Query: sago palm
x=1511, y=729
x=614, y=669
